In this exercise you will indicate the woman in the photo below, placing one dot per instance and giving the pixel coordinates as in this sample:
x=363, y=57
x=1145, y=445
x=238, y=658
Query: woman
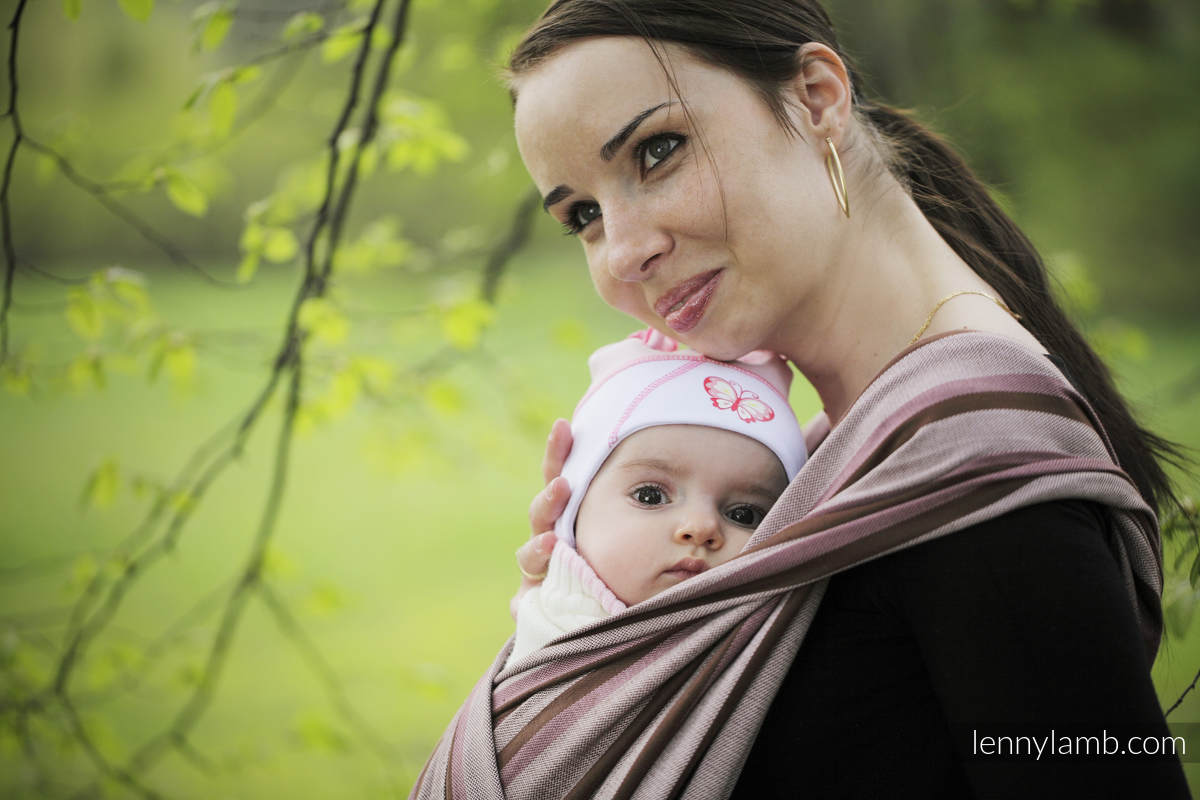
x=733, y=189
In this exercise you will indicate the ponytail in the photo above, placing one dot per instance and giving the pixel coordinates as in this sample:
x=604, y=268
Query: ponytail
x=962, y=211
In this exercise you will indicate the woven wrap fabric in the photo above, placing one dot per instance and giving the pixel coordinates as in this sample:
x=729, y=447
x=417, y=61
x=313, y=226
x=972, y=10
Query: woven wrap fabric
x=663, y=700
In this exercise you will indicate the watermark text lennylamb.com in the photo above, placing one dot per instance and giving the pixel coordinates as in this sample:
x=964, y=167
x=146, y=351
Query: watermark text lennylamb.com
x=1052, y=744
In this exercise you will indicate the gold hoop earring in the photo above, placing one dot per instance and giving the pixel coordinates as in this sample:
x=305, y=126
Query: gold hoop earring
x=833, y=165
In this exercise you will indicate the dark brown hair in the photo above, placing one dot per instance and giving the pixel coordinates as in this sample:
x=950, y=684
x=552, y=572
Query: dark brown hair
x=758, y=41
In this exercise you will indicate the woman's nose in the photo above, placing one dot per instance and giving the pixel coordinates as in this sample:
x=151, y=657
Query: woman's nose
x=633, y=243
x=700, y=530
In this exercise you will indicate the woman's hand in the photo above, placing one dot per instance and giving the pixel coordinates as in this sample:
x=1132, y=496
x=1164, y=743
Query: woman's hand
x=533, y=557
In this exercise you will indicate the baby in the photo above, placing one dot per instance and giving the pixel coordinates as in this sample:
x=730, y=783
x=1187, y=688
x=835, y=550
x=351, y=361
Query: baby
x=675, y=461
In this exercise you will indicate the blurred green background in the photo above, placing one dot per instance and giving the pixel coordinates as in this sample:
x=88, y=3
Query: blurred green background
x=425, y=409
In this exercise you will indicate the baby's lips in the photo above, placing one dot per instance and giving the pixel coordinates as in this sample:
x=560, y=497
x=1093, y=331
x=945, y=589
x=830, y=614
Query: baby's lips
x=692, y=565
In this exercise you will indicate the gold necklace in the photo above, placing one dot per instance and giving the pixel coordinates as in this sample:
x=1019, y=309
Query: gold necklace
x=951, y=296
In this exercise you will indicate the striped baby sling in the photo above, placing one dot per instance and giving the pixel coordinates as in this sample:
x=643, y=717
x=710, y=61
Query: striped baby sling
x=664, y=699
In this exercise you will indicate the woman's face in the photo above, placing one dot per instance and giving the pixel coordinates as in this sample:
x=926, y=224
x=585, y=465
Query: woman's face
x=715, y=225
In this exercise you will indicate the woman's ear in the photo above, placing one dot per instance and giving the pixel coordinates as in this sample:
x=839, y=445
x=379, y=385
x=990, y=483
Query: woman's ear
x=822, y=91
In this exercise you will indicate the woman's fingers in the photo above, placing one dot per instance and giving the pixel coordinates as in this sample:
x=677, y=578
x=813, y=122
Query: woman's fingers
x=533, y=559
x=557, y=447
x=548, y=505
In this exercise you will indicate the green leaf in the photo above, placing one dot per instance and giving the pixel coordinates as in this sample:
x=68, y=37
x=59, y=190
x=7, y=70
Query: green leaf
x=254, y=236
x=342, y=42
x=381, y=37
x=343, y=392
x=463, y=325
x=138, y=9
x=84, y=370
x=84, y=315
x=246, y=74
x=216, y=29
x=302, y=24
x=72, y=8
x=323, y=321
x=377, y=375
x=185, y=194
x=102, y=485
x=314, y=732
x=180, y=362
x=128, y=286
x=377, y=247
x=280, y=245
x=17, y=379
x=82, y=571
x=222, y=108
x=278, y=564
x=325, y=599
x=444, y=397
x=247, y=268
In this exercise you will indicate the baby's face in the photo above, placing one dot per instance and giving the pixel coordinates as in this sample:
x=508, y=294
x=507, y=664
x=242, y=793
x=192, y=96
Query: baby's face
x=672, y=501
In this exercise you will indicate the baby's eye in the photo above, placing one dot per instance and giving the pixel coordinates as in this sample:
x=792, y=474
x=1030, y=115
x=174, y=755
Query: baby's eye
x=655, y=149
x=650, y=495
x=746, y=516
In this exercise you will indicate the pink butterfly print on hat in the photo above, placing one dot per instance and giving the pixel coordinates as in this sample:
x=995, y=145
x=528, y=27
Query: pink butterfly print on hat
x=729, y=395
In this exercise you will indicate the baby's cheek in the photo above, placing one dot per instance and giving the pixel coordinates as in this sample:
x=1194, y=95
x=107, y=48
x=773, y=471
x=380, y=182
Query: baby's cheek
x=736, y=542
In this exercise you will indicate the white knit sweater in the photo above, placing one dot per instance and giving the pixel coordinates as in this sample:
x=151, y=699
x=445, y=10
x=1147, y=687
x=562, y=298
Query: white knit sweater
x=571, y=596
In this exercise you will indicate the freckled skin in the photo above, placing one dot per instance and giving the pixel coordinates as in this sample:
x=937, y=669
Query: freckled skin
x=708, y=488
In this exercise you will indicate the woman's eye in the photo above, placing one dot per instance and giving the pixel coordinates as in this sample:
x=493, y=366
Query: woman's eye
x=655, y=149
x=649, y=495
x=746, y=516
x=580, y=215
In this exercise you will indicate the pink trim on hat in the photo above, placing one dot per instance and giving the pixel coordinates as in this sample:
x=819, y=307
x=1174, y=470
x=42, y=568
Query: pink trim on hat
x=644, y=393
x=699, y=359
x=655, y=339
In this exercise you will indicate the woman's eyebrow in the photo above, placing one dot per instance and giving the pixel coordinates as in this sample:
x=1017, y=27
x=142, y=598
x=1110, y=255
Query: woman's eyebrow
x=607, y=152
x=612, y=145
x=556, y=194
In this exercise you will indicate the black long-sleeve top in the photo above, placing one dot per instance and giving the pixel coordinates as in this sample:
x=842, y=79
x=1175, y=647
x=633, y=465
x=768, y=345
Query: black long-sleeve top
x=1016, y=626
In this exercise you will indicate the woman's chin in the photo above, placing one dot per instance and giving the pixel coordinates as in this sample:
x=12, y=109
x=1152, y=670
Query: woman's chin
x=720, y=349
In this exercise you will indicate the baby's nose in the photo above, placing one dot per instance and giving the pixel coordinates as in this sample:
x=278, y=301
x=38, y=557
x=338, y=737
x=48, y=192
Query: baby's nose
x=700, y=531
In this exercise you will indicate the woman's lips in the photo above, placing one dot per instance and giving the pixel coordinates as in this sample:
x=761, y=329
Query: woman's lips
x=683, y=306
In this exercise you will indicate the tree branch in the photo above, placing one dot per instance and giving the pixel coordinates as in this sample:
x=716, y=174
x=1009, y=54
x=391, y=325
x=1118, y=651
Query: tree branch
x=1179, y=701
x=123, y=213
x=166, y=521
x=518, y=234
x=288, y=360
x=10, y=253
x=159, y=646
x=320, y=667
